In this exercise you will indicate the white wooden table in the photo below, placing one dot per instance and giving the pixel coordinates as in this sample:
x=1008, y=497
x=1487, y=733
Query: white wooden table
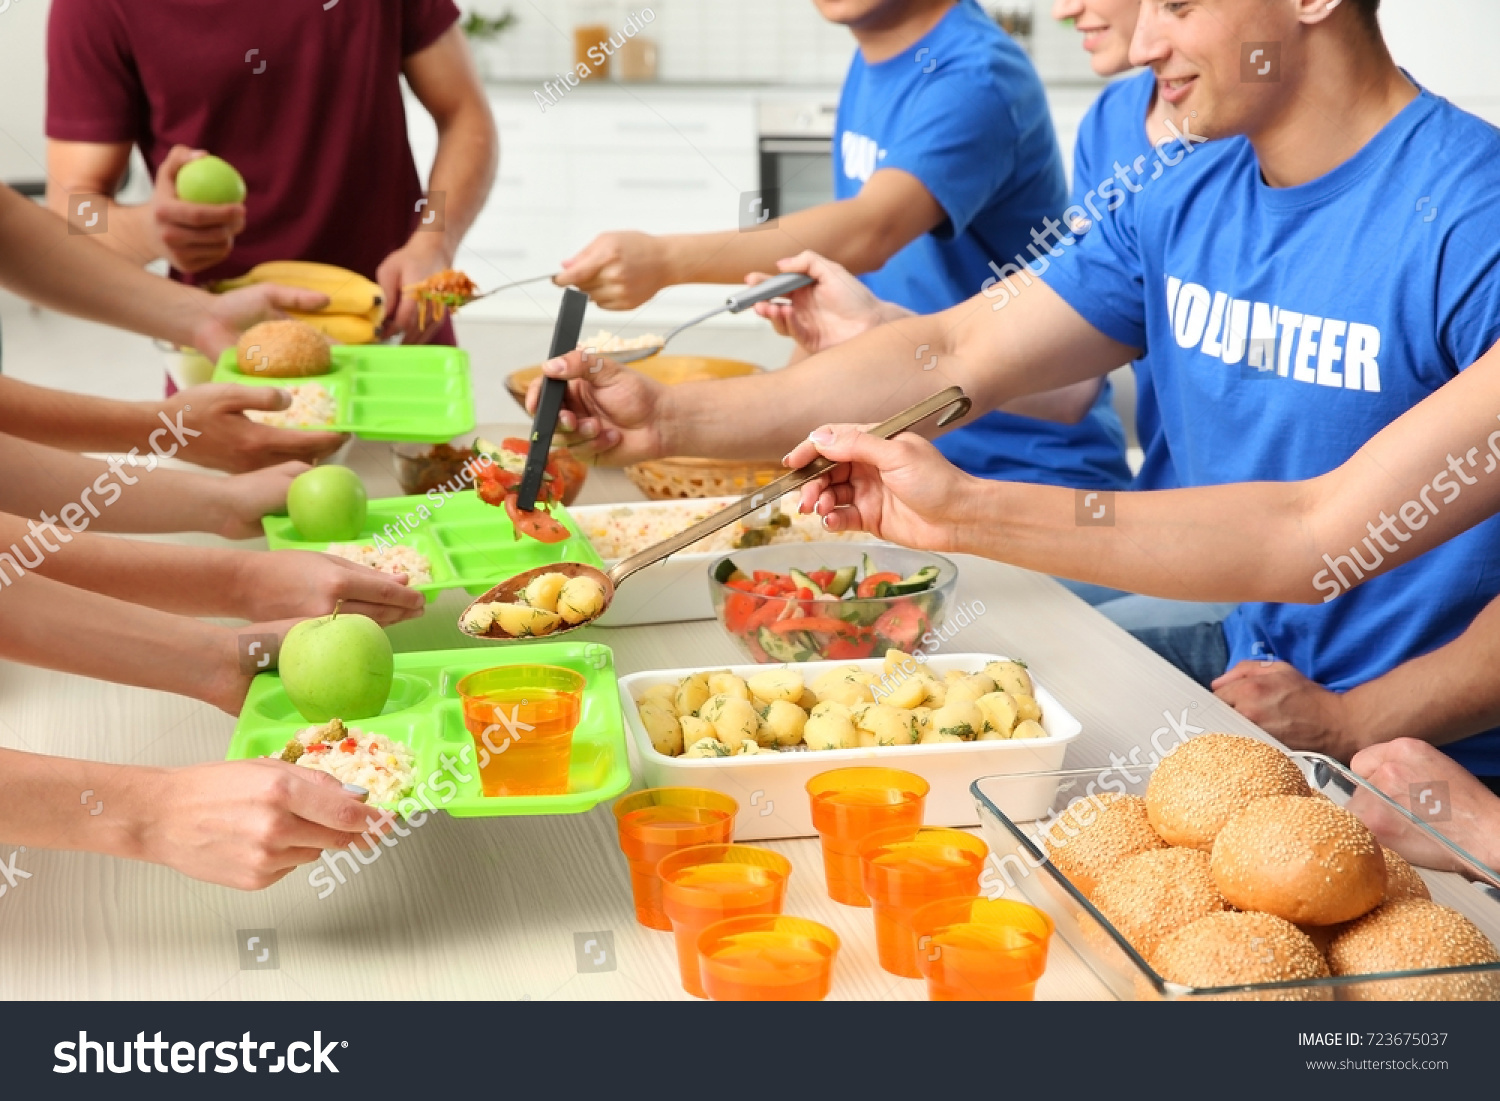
x=487, y=908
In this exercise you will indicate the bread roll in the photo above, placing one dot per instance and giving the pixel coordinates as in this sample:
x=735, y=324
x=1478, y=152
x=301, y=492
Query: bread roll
x=1233, y=949
x=1305, y=860
x=1411, y=934
x=1401, y=879
x=1096, y=833
x=1151, y=895
x=1204, y=781
x=283, y=349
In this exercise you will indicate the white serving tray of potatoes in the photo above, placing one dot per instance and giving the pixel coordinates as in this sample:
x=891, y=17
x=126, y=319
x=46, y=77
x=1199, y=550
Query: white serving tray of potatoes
x=854, y=713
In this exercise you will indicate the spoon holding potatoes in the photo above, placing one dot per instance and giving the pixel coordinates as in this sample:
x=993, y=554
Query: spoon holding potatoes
x=552, y=600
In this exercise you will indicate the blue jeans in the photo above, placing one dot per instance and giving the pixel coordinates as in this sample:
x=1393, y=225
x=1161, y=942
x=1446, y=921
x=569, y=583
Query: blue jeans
x=1200, y=650
x=1139, y=613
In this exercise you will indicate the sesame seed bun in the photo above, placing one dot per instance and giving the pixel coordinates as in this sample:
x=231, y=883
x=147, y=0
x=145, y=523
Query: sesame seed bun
x=1401, y=879
x=1095, y=834
x=1151, y=895
x=1301, y=859
x=1207, y=779
x=283, y=349
x=1411, y=934
x=1232, y=949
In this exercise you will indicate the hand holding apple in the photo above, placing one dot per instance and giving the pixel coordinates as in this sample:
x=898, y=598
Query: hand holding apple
x=327, y=504
x=339, y=666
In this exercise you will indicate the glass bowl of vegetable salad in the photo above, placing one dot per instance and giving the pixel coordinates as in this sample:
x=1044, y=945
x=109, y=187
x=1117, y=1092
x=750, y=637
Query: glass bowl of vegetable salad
x=829, y=602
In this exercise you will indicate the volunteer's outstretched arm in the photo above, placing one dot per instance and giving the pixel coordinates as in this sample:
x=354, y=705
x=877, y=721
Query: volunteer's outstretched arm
x=42, y=261
x=1037, y=342
x=1428, y=476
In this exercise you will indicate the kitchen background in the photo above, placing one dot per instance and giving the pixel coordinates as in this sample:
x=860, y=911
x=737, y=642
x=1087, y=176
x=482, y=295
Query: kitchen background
x=714, y=100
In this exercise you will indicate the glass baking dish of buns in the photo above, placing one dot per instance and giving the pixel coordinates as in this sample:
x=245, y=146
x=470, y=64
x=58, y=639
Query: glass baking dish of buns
x=1265, y=875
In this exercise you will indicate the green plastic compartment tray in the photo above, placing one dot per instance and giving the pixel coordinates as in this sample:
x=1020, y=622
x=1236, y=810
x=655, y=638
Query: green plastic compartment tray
x=420, y=394
x=469, y=544
x=425, y=713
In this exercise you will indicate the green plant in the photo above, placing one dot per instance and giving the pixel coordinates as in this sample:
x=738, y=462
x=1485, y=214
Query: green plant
x=483, y=28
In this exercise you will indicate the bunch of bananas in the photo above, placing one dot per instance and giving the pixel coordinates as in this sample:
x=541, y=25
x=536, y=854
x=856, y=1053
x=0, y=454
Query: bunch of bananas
x=355, y=307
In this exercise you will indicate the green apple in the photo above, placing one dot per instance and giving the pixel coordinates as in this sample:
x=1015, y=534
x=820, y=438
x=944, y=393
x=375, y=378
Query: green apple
x=340, y=666
x=210, y=180
x=327, y=504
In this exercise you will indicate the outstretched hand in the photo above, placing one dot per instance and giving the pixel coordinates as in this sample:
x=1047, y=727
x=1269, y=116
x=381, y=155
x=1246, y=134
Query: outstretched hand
x=836, y=307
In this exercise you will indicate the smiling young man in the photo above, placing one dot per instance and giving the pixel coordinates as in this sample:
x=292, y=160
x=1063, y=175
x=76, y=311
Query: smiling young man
x=1297, y=294
x=944, y=161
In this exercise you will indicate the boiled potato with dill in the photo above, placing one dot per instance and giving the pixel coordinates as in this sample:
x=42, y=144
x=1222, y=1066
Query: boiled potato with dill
x=830, y=727
x=692, y=693
x=1028, y=708
x=969, y=689
x=808, y=700
x=1000, y=717
x=727, y=684
x=733, y=718
x=694, y=729
x=908, y=692
x=782, y=724
x=543, y=590
x=922, y=716
x=776, y=684
x=662, y=726
x=521, y=621
x=849, y=689
x=667, y=693
x=887, y=725
x=1029, y=728
x=1011, y=676
x=962, y=720
x=580, y=600
x=708, y=747
x=937, y=693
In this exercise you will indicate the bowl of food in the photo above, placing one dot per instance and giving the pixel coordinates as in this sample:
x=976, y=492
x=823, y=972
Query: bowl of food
x=427, y=468
x=794, y=603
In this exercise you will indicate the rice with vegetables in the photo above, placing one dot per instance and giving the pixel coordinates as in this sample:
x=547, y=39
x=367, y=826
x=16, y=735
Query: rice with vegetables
x=396, y=558
x=372, y=761
x=312, y=407
x=605, y=342
x=623, y=531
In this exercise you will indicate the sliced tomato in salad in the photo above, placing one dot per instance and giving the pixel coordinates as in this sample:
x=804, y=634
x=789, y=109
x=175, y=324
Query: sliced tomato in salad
x=537, y=524
x=850, y=647
x=739, y=610
x=903, y=625
x=867, y=587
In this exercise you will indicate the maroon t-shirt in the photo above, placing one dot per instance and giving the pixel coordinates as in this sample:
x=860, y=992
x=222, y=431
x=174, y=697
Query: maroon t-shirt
x=304, y=101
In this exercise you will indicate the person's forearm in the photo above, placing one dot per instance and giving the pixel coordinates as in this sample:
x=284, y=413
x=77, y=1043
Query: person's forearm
x=72, y=805
x=109, y=495
x=195, y=581
x=74, y=422
x=1441, y=697
x=845, y=232
x=468, y=156
x=55, y=626
x=42, y=261
x=1038, y=343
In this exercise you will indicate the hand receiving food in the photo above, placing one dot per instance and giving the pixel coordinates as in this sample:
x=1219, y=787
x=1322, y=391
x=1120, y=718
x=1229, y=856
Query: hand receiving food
x=247, y=824
x=837, y=307
x=228, y=440
x=1288, y=706
x=423, y=256
x=900, y=489
x=302, y=584
x=225, y=316
x=1435, y=788
x=619, y=271
x=610, y=412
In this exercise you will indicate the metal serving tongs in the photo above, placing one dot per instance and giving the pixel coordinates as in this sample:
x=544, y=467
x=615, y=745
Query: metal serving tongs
x=952, y=403
x=738, y=302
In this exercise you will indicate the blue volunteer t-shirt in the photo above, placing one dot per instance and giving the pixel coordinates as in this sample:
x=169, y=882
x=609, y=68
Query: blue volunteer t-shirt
x=1287, y=326
x=963, y=111
x=1112, y=145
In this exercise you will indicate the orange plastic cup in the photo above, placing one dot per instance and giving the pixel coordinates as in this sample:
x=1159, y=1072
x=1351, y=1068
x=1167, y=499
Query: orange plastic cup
x=522, y=719
x=904, y=869
x=981, y=950
x=767, y=958
x=708, y=883
x=657, y=822
x=849, y=804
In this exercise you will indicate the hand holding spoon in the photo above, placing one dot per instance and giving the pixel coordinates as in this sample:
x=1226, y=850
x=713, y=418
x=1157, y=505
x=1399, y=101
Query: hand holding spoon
x=951, y=403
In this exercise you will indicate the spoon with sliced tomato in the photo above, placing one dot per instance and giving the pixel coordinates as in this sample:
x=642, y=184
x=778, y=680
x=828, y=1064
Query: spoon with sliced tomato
x=951, y=403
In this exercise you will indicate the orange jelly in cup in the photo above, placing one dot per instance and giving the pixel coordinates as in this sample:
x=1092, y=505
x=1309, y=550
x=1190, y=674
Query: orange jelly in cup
x=708, y=883
x=906, y=868
x=522, y=719
x=981, y=950
x=767, y=958
x=656, y=823
x=849, y=804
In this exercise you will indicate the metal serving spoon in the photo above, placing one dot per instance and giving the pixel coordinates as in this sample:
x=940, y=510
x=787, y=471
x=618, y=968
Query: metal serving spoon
x=952, y=403
x=738, y=302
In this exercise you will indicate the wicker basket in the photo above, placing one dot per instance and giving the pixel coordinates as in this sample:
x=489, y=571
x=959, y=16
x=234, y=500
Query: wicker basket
x=676, y=479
